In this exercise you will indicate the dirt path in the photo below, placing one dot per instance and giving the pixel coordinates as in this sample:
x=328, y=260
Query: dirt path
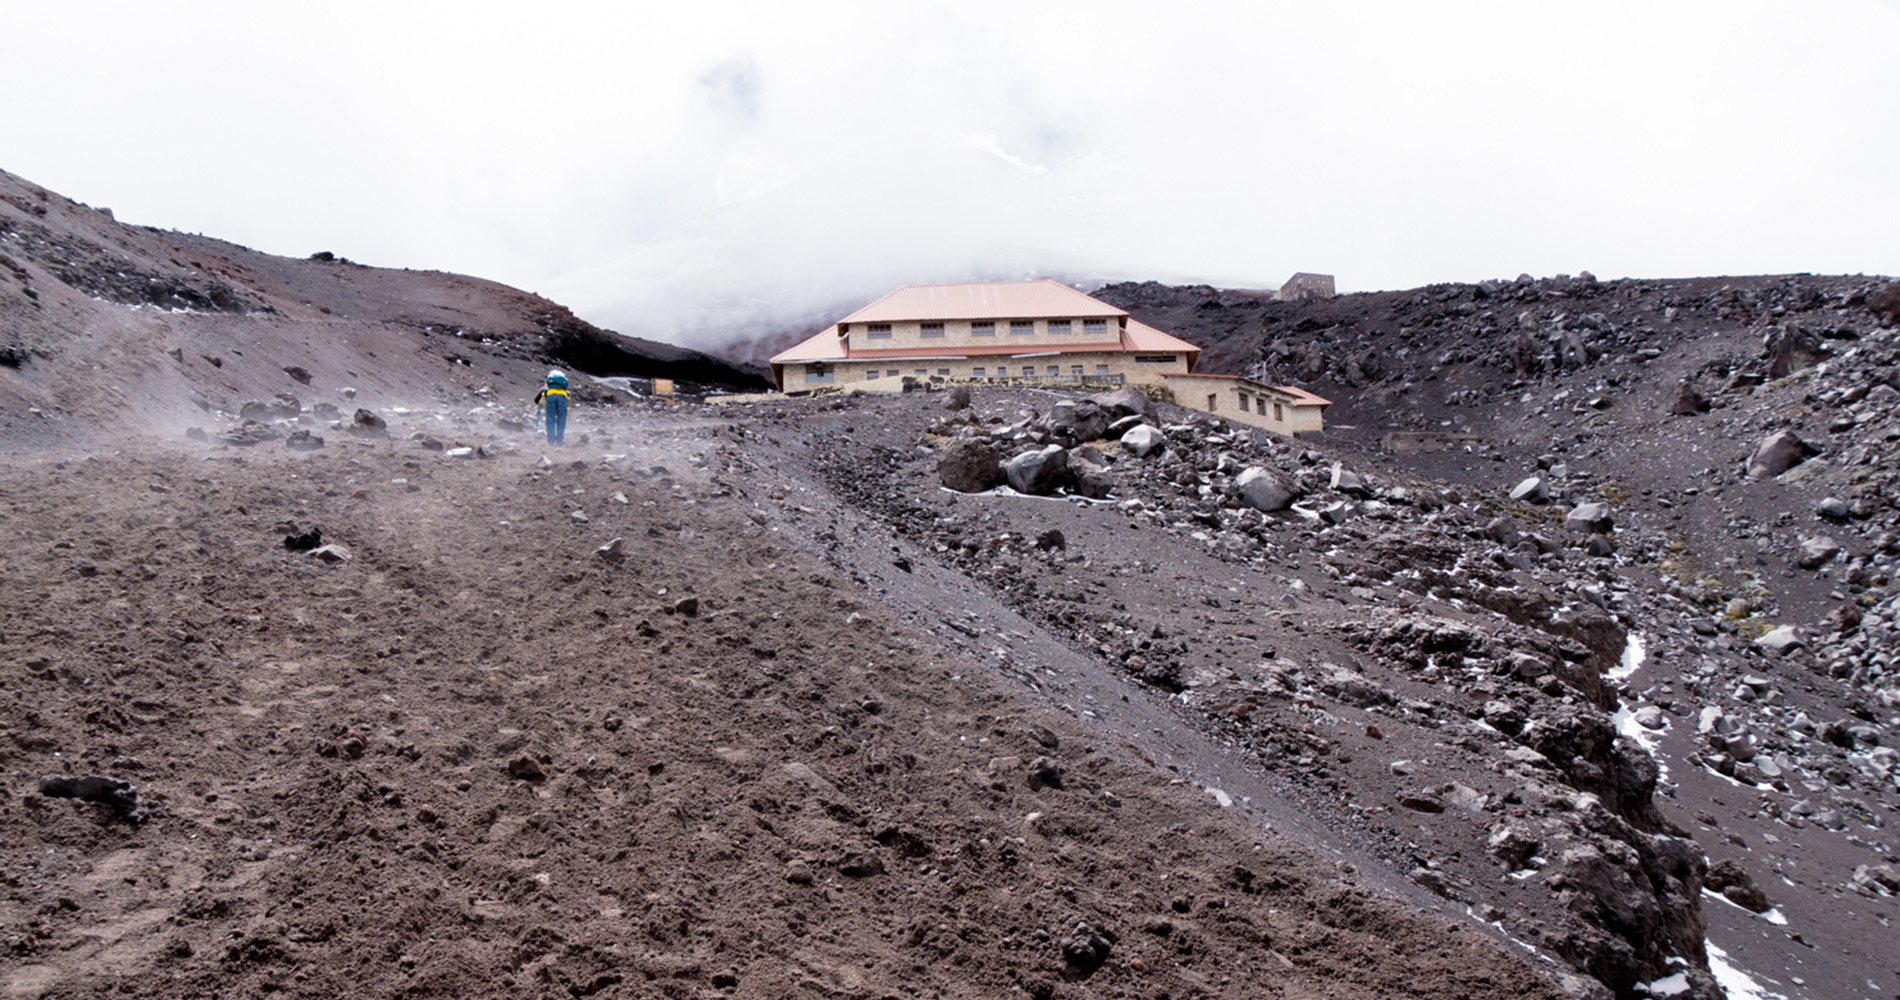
x=477, y=759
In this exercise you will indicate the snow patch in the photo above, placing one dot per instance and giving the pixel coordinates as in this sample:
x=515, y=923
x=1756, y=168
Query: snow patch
x=1634, y=652
x=1738, y=984
x=1668, y=986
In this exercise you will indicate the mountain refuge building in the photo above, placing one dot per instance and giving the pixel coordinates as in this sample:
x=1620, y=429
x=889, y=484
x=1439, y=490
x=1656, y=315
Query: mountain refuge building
x=1042, y=331
x=1026, y=331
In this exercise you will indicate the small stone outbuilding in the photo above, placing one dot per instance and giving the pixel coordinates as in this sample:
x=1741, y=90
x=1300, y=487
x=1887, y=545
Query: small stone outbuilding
x=1282, y=409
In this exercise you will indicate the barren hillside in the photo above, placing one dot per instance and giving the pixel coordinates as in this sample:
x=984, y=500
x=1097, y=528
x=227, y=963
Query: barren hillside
x=740, y=701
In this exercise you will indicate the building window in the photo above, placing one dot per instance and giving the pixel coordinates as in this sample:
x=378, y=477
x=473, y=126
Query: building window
x=931, y=330
x=1244, y=405
x=923, y=373
x=1055, y=369
x=983, y=328
x=1276, y=412
x=878, y=331
x=1029, y=370
x=820, y=374
x=1213, y=401
x=890, y=373
x=1154, y=359
x=977, y=372
x=1260, y=405
x=944, y=372
x=1101, y=369
x=1058, y=326
x=1095, y=327
x=1022, y=327
x=1075, y=369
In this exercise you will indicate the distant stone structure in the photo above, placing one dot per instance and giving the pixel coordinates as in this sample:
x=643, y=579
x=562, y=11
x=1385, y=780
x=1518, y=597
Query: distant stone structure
x=1306, y=286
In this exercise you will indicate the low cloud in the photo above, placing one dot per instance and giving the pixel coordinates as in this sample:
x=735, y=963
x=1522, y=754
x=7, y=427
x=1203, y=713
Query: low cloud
x=705, y=173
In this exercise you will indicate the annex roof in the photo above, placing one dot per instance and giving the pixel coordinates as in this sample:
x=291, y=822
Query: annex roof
x=1043, y=298
x=1300, y=396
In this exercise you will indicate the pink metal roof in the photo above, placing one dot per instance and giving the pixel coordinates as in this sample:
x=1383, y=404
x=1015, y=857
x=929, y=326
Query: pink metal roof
x=1141, y=337
x=826, y=345
x=1002, y=300
x=999, y=300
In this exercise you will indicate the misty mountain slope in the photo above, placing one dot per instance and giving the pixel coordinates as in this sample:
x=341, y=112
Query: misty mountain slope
x=89, y=309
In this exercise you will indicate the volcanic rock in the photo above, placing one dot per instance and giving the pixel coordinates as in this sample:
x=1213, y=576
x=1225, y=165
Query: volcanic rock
x=1778, y=453
x=1265, y=489
x=970, y=466
x=1039, y=472
x=1143, y=440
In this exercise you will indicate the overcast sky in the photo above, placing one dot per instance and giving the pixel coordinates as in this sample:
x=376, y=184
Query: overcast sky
x=695, y=171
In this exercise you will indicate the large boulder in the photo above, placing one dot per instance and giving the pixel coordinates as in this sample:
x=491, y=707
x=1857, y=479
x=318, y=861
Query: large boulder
x=1094, y=483
x=970, y=466
x=1143, y=440
x=1535, y=489
x=1688, y=401
x=1591, y=517
x=1266, y=489
x=1038, y=472
x=1124, y=402
x=1777, y=454
x=1729, y=878
x=368, y=424
x=1817, y=551
x=1082, y=421
x=1348, y=483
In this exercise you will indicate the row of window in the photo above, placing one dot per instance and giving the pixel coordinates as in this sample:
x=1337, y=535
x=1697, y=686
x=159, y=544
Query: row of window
x=824, y=376
x=1259, y=403
x=987, y=328
x=981, y=371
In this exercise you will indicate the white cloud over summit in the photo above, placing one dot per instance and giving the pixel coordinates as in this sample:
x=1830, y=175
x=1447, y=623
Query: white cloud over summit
x=694, y=172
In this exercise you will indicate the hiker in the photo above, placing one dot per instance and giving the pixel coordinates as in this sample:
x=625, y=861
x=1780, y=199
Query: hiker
x=553, y=398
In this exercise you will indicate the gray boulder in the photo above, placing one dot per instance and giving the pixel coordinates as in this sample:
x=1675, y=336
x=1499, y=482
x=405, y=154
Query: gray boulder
x=1038, y=472
x=970, y=466
x=368, y=424
x=1094, y=483
x=1536, y=489
x=1817, y=552
x=303, y=441
x=1143, y=440
x=1729, y=878
x=1591, y=517
x=1688, y=401
x=1123, y=402
x=1080, y=421
x=1266, y=489
x=1123, y=425
x=1782, y=640
x=1348, y=483
x=1777, y=454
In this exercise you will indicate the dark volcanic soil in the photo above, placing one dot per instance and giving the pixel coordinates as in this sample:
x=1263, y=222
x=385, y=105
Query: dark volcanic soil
x=475, y=758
